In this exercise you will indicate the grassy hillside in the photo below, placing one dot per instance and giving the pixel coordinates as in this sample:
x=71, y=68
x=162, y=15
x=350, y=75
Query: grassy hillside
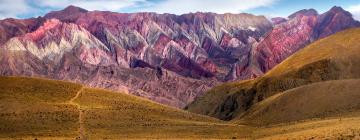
x=318, y=100
x=113, y=115
x=37, y=108
x=333, y=58
x=329, y=128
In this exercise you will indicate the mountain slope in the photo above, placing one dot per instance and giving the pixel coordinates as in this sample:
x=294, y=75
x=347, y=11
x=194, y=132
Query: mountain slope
x=10, y=28
x=67, y=51
x=191, y=45
x=318, y=100
x=332, y=58
x=302, y=28
x=54, y=38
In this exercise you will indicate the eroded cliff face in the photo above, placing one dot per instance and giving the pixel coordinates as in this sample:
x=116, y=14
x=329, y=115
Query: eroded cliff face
x=193, y=45
x=299, y=30
x=10, y=28
x=69, y=52
x=167, y=58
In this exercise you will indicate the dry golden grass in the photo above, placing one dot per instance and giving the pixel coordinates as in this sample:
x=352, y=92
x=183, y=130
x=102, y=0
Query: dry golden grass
x=114, y=115
x=36, y=107
x=318, y=100
x=47, y=109
x=328, y=128
x=39, y=108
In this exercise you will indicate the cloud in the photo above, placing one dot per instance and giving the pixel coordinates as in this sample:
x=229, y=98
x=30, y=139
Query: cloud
x=161, y=6
x=217, y=6
x=355, y=11
x=32, y=8
x=14, y=8
x=102, y=5
x=18, y=8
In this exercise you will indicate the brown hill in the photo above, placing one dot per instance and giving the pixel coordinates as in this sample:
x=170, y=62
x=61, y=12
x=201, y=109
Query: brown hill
x=318, y=100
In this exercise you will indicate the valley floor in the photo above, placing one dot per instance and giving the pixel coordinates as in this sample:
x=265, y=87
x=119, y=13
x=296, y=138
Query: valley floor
x=332, y=128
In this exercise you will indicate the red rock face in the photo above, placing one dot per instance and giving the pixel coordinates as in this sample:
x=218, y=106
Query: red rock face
x=289, y=36
x=192, y=41
x=278, y=20
x=285, y=39
x=69, y=14
x=39, y=33
x=333, y=21
x=14, y=27
x=163, y=57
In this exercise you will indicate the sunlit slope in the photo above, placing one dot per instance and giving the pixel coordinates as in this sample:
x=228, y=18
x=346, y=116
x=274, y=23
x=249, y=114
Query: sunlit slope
x=327, y=128
x=332, y=58
x=38, y=108
x=45, y=109
x=318, y=100
x=110, y=115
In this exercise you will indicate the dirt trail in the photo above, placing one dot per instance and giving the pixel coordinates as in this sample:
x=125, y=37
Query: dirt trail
x=76, y=96
x=81, y=114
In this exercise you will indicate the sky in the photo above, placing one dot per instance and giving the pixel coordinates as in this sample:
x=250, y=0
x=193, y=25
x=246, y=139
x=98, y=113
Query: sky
x=269, y=8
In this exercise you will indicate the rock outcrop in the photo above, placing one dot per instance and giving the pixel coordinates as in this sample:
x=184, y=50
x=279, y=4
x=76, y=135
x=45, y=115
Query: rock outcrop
x=289, y=36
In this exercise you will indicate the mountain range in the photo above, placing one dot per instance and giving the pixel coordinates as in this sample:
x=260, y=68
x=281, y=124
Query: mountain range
x=170, y=59
x=79, y=74
x=313, y=94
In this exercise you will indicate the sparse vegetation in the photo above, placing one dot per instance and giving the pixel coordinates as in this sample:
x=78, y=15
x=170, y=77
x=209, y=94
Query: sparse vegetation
x=36, y=107
x=318, y=100
x=48, y=109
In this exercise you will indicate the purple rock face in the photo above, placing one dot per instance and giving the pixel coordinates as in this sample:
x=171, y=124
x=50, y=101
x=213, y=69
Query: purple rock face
x=14, y=27
x=167, y=58
x=289, y=36
x=189, y=44
x=336, y=19
x=304, y=12
x=278, y=20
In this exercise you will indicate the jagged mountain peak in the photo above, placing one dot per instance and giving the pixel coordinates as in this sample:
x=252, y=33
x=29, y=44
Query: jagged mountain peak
x=337, y=9
x=68, y=14
x=304, y=12
x=73, y=8
x=334, y=20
